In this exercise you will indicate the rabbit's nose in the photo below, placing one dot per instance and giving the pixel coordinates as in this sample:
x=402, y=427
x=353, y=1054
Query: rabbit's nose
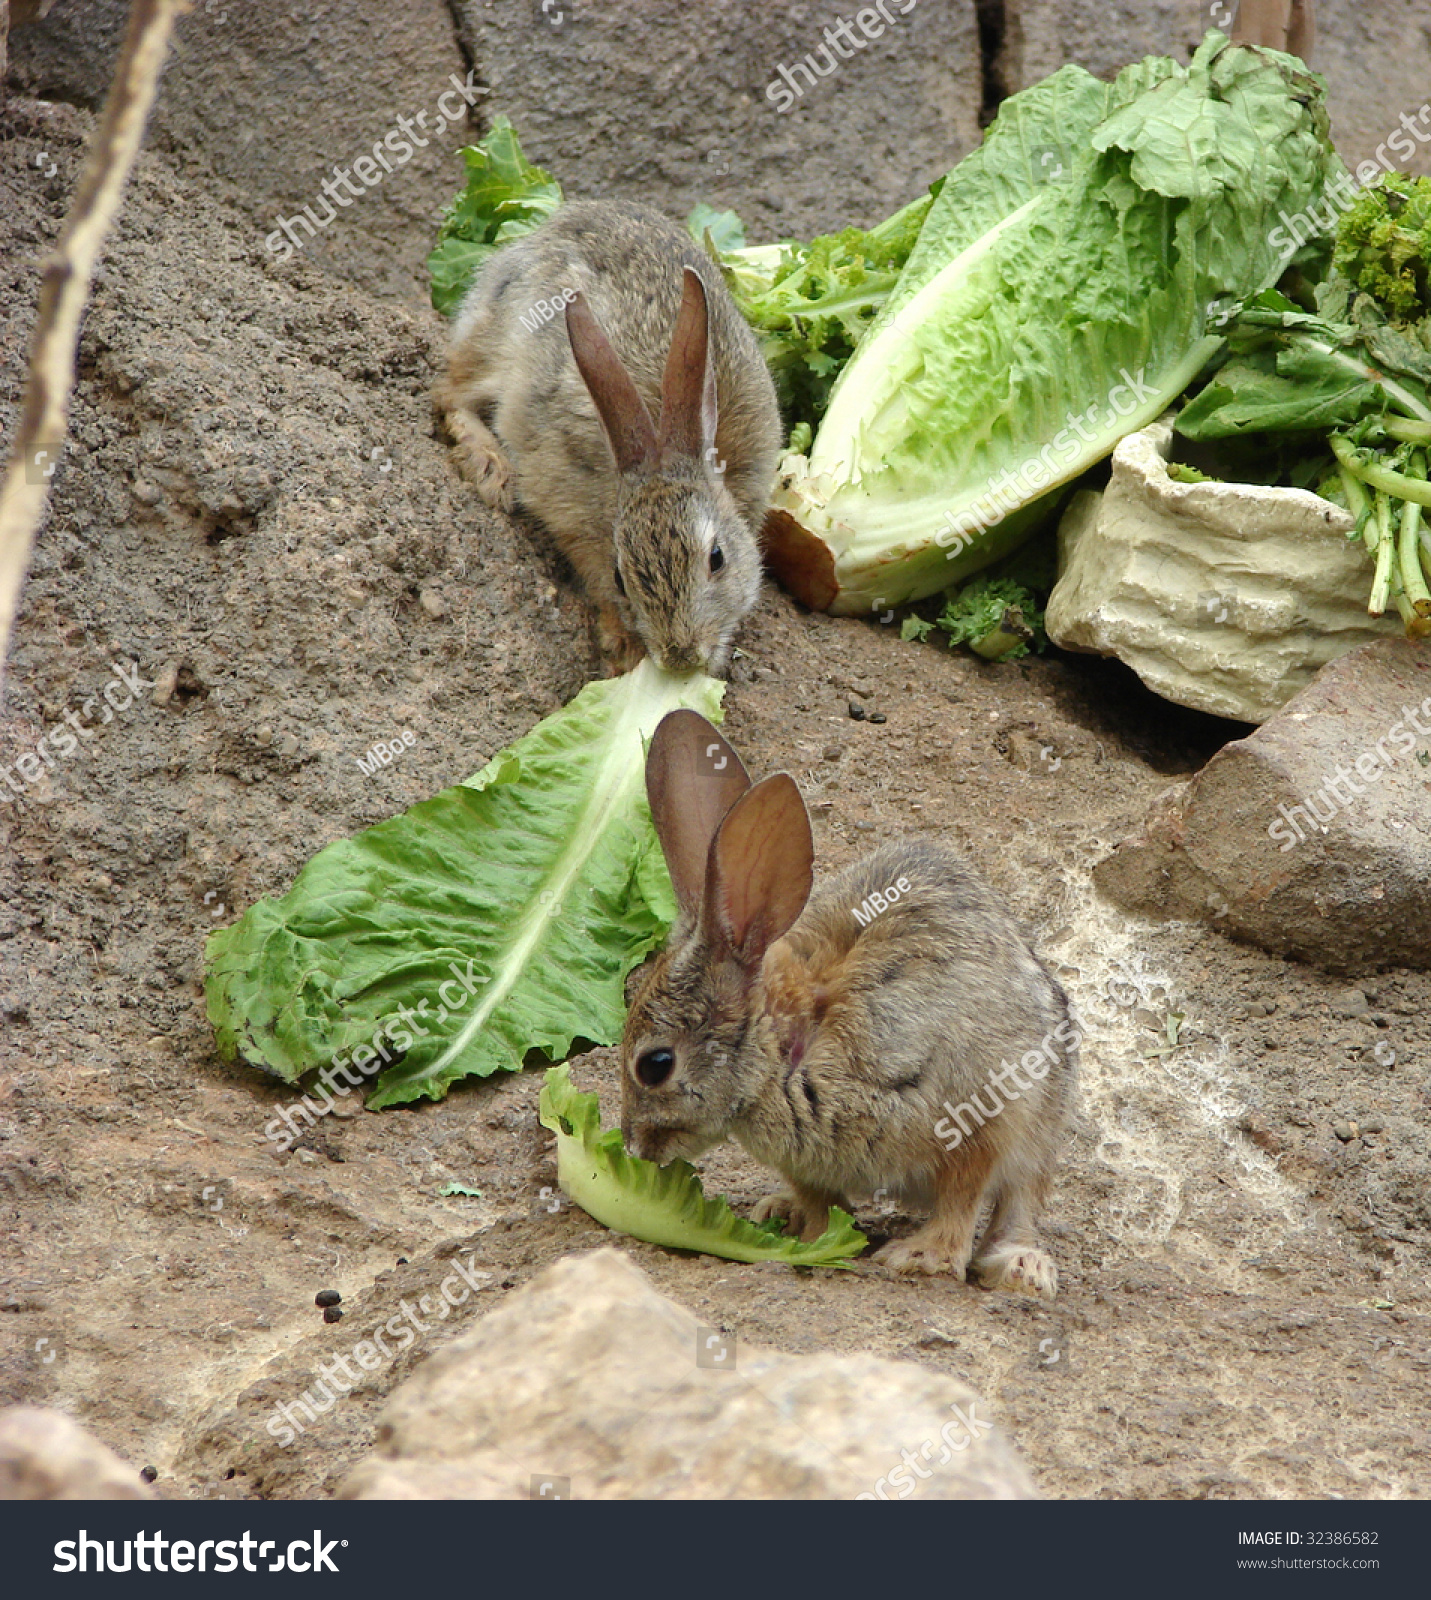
x=683, y=659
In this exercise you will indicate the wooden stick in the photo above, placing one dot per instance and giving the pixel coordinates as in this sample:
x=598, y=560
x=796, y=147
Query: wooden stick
x=1281, y=24
x=64, y=292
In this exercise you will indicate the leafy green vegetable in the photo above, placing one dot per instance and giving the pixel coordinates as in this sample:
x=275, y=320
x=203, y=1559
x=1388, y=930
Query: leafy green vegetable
x=812, y=303
x=1057, y=299
x=1352, y=378
x=497, y=918
x=666, y=1205
x=996, y=617
x=716, y=230
x=1384, y=245
x=505, y=197
x=1299, y=371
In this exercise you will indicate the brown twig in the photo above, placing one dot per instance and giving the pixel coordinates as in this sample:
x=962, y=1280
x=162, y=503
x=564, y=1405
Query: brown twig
x=64, y=292
x=1281, y=24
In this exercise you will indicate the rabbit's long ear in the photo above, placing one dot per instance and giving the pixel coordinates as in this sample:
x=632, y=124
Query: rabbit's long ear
x=623, y=413
x=761, y=870
x=693, y=778
x=688, y=389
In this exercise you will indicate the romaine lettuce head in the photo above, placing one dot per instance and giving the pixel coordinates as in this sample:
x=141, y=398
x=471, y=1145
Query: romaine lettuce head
x=1059, y=297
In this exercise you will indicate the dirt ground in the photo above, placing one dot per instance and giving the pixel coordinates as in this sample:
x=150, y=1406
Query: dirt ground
x=254, y=509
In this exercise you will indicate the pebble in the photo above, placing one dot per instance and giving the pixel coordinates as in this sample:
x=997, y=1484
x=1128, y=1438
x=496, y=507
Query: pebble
x=1349, y=1003
x=1345, y=1131
x=327, y=1297
x=878, y=716
x=857, y=711
x=333, y=1314
x=865, y=827
x=149, y=1473
x=833, y=752
x=433, y=604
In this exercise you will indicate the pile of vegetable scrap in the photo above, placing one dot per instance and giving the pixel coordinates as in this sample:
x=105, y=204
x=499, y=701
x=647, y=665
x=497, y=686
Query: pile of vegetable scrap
x=947, y=374
x=1344, y=374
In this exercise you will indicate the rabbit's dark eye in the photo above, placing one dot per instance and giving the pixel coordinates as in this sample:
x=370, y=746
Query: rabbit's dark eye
x=653, y=1067
x=717, y=558
x=620, y=585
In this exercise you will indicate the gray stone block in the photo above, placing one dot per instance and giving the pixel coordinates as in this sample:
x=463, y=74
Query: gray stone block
x=668, y=102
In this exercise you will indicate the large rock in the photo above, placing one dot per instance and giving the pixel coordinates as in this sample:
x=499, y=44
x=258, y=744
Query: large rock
x=590, y=1383
x=46, y=1456
x=1227, y=597
x=1311, y=837
x=663, y=100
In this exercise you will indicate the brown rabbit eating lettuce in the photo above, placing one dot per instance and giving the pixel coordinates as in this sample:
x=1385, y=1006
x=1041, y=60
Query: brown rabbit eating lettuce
x=640, y=425
x=852, y=1038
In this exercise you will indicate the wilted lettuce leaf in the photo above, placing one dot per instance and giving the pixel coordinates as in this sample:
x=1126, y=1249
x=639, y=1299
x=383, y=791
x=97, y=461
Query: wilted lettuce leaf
x=666, y=1205
x=503, y=914
x=811, y=304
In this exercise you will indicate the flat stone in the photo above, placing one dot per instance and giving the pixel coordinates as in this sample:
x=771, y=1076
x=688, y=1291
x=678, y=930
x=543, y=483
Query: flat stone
x=1226, y=597
x=589, y=1384
x=45, y=1455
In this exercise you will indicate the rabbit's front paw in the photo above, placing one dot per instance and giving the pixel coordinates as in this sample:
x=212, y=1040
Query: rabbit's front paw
x=1024, y=1269
x=803, y=1218
x=924, y=1251
x=479, y=458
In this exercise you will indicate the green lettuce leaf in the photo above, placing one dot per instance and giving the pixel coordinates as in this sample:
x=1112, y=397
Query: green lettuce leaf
x=505, y=197
x=666, y=1205
x=1291, y=370
x=501, y=916
x=1057, y=300
x=811, y=304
